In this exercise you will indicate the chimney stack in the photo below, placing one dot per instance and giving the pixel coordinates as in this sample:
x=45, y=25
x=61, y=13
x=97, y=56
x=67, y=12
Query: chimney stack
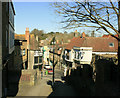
x=75, y=33
x=83, y=34
x=37, y=38
x=27, y=37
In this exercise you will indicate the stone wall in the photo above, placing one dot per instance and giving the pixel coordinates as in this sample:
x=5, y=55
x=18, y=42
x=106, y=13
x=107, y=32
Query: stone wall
x=95, y=79
x=28, y=77
x=104, y=67
x=30, y=59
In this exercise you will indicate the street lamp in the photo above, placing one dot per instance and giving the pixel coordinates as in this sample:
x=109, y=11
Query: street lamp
x=53, y=43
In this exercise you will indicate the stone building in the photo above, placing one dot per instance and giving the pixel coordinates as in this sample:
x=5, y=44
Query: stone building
x=7, y=13
x=20, y=54
x=34, y=52
x=30, y=54
x=35, y=59
x=28, y=58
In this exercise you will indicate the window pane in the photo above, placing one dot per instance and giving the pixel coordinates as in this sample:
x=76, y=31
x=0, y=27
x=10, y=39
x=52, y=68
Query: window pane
x=78, y=55
x=23, y=51
x=40, y=59
x=75, y=54
x=111, y=44
x=35, y=59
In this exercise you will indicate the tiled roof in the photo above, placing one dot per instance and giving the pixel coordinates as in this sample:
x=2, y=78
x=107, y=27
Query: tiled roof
x=58, y=46
x=109, y=35
x=20, y=36
x=63, y=45
x=106, y=36
x=33, y=42
x=76, y=41
x=99, y=44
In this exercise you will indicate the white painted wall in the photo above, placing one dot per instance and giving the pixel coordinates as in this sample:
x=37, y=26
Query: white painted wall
x=71, y=55
x=46, y=54
x=115, y=53
x=85, y=54
x=37, y=53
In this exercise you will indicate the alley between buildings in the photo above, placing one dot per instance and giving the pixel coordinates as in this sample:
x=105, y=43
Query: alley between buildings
x=44, y=88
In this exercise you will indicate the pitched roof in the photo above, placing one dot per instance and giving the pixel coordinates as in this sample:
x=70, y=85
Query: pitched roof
x=33, y=43
x=106, y=36
x=20, y=36
x=109, y=35
x=63, y=45
x=75, y=41
x=99, y=44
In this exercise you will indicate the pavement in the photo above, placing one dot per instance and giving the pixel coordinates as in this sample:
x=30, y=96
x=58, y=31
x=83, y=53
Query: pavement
x=40, y=89
x=44, y=88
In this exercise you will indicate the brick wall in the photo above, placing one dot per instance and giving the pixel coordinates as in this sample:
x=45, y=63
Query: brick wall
x=28, y=77
x=25, y=77
x=27, y=37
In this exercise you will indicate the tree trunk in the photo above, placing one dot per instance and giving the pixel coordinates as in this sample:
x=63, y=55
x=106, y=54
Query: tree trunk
x=118, y=35
x=119, y=46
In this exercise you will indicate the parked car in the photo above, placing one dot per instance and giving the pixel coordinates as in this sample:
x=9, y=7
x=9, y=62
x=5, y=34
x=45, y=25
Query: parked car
x=47, y=66
x=50, y=71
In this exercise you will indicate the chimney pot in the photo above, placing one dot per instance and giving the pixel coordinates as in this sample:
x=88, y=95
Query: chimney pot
x=83, y=34
x=27, y=29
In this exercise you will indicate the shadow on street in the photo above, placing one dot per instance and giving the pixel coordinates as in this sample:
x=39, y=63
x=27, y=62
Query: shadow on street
x=13, y=83
x=61, y=89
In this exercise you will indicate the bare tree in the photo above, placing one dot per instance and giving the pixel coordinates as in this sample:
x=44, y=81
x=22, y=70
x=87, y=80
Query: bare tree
x=99, y=15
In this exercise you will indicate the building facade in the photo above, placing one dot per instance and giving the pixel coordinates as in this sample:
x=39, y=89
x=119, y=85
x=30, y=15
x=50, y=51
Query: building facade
x=35, y=53
x=20, y=55
x=35, y=59
x=46, y=55
x=81, y=49
x=7, y=42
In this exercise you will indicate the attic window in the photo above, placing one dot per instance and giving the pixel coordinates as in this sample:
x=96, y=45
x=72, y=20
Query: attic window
x=111, y=44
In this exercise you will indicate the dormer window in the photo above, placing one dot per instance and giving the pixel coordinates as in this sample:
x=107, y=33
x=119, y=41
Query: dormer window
x=111, y=44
